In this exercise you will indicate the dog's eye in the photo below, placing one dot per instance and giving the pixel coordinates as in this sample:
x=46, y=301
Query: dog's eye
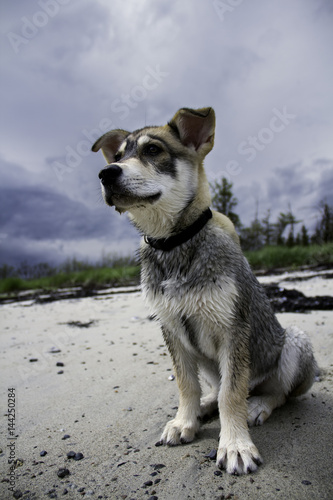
x=152, y=150
x=117, y=156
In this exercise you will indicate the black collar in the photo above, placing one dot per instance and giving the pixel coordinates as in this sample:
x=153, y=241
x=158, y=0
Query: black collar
x=170, y=243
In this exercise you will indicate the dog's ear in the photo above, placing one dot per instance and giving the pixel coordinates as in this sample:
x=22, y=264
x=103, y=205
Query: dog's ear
x=110, y=143
x=195, y=128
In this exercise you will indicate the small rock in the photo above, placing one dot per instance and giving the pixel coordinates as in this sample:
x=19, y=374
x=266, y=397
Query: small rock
x=63, y=472
x=158, y=466
x=17, y=494
x=71, y=454
x=148, y=483
x=60, y=363
x=217, y=473
x=43, y=453
x=171, y=377
x=307, y=483
x=78, y=456
x=60, y=372
x=33, y=360
x=212, y=455
x=54, y=350
x=66, y=436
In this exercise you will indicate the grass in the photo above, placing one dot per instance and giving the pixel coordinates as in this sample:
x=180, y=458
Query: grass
x=273, y=257
x=101, y=276
x=124, y=271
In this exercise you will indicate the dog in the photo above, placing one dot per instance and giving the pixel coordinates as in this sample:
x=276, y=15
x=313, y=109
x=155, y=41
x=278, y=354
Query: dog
x=215, y=317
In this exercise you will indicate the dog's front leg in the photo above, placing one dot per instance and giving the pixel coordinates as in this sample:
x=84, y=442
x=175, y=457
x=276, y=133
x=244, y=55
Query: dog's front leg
x=185, y=425
x=236, y=453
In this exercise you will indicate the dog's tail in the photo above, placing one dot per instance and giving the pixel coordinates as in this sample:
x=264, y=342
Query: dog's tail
x=297, y=366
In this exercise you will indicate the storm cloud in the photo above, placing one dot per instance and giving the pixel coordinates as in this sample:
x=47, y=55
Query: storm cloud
x=73, y=69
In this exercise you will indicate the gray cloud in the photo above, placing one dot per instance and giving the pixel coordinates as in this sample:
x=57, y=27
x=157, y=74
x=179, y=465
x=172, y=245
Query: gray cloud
x=73, y=77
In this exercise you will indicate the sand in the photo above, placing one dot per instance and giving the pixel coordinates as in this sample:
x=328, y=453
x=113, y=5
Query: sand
x=113, y=396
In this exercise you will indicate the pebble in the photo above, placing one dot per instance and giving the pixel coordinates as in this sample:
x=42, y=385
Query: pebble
x=78, y=456
x=54, y=350
x=71, y=454
x=60, y=363
x=218, y=473
x=63, y=472
x=33, y=360
x=307, y=483
x=148, y=483
x=158, y=466
x=43, y=453
x=66, y=436
x=17, y=494
x=212, y=455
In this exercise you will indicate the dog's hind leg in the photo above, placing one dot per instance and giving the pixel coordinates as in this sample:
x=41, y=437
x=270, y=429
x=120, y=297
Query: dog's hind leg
x=268, y=397
x=210, y=374
x=294, y=376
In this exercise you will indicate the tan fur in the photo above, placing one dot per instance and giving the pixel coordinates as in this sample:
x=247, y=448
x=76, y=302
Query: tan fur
x=225, y=223
x=214, y=315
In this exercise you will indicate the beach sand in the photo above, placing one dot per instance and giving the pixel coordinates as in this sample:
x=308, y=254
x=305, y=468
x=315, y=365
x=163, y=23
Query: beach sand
x=113, y=396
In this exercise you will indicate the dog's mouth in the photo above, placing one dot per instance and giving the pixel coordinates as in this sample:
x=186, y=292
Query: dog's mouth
x=123, y=201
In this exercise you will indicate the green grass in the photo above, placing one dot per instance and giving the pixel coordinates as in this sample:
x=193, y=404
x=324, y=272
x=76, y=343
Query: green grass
x=273, y=257
x=100, y=276
x=121, y=272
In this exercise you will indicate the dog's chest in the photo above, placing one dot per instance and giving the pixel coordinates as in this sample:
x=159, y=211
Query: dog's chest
x=189, y=298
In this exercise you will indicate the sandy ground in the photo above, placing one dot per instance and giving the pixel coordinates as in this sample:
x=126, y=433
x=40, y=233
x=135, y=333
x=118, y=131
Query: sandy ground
x=112, y=397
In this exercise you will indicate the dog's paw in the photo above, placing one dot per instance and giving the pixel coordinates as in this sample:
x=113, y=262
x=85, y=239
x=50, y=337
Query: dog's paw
x=238, y=458
x=178, y=431
x=258, y=411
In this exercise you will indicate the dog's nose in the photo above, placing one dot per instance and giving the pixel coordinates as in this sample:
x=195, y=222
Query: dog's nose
x=110, y=173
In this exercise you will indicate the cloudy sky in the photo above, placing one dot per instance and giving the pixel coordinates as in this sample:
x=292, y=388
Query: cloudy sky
x=72, y=69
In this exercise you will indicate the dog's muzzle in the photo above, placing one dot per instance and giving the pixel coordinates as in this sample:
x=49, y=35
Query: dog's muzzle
x=109, y=174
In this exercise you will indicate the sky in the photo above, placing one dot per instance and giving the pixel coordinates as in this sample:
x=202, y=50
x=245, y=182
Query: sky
x=73, y=69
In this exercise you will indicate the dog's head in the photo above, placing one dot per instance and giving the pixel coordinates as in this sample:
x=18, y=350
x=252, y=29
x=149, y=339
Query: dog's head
x=158, y=169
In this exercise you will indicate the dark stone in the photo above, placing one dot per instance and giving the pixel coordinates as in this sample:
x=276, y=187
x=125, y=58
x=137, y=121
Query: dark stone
x=212, y=455
x=63, y=472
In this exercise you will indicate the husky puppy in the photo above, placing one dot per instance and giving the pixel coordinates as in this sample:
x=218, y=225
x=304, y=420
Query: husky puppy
x=216, y=319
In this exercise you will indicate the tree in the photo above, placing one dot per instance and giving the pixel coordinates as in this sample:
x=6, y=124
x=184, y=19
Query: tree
x=284, y=220
x=267, y=228
x=252, y=237
x=224, y=201
x=304, y=238
x=325, y=226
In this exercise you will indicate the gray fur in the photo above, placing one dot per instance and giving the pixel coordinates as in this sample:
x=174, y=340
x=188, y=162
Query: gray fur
x=214, y=314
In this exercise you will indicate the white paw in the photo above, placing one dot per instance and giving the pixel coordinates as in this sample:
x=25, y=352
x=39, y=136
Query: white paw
x=258, y=411
x=178, y=431
x=238, y=457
